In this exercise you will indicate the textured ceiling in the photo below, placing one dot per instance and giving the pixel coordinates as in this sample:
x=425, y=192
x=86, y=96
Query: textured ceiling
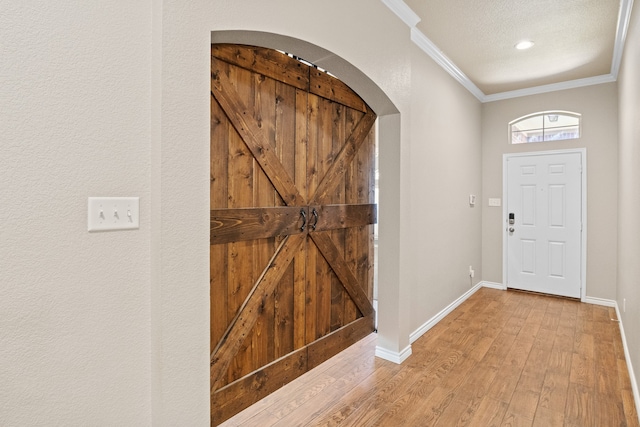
x=574, y=39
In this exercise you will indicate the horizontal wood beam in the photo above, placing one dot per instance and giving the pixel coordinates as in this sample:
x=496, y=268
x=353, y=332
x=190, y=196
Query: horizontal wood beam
x=327, y=86
x=267, y=62
x=234, y=225
x=333, y=217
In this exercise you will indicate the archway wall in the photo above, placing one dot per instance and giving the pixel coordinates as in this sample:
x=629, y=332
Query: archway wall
x=423, y=113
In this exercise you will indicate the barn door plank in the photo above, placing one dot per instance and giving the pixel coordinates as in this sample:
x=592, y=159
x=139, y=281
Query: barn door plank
x=284, y=101
x=242, y=118
x=345, y=157
x=312, y=180
x=300, y=177
x=242, y=175
x=247, y=315
x=340, y=267
x=322, y=128
x=339, y=135
x=264, y=195
x=218, y=199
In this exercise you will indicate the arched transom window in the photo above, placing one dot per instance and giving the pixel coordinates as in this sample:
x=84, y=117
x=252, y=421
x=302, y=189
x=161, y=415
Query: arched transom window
x=545, y=126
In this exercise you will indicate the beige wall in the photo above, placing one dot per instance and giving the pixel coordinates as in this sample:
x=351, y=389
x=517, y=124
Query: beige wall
x=446, y=169
x=598, y=106
x=629, y=193
x=114, y=100
x=74, y=122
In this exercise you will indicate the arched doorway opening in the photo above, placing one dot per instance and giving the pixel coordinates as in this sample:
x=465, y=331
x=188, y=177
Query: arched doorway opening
x=389, y=131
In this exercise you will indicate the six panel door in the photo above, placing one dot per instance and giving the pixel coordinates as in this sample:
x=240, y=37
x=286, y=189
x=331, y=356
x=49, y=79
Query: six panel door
x=292, y=208
x=544, y=241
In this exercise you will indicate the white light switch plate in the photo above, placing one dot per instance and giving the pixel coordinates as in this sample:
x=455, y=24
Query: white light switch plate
x=495, y=202
x=113, y=213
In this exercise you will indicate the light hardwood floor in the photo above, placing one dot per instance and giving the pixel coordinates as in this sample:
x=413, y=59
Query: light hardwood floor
x=500, y=359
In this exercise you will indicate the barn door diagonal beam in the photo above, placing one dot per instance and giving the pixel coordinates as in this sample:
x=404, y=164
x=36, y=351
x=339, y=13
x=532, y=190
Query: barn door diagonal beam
x=344, y=158
x=331, y=253
x=243, y=120
x=248, y=313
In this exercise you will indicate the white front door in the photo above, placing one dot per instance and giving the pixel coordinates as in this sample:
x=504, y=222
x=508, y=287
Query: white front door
x=544, y=223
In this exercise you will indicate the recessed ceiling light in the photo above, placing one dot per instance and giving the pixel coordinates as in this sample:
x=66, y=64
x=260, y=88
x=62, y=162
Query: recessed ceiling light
x=525, y=44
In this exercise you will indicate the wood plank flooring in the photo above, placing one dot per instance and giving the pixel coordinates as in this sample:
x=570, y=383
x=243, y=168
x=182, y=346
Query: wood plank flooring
x=500, y=359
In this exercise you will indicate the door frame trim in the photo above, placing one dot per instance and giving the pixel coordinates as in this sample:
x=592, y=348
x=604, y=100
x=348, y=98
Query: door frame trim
x=583, y=233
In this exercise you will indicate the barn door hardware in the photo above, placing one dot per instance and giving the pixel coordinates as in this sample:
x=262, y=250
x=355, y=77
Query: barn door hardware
x=303, y=214
x=314, y=212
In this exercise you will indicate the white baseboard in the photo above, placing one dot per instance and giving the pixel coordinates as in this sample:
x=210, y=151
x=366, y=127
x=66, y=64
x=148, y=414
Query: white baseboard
x=600, y=301
x=393, y=356
x=627, y=356
x=438, y=317
x=493, y=285
x=586, y=300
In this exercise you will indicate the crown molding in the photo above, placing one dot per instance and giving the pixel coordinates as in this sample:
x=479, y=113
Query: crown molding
x=441, y=59
x=571, y=84
x=403, y=11
x=411, y=19
x=624, y=16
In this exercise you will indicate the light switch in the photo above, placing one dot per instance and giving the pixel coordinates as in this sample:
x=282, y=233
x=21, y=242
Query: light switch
x=495, y=202
x=113, y=213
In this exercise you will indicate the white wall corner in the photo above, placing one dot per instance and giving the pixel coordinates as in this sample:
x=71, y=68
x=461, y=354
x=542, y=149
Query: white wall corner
x=403, y=11
x=627, y=356
x=441, y=315
x=493, y=285
x=393, y=356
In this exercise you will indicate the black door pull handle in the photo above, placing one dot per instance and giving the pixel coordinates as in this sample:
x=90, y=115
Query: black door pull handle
x=303, y=214
x=314, y=212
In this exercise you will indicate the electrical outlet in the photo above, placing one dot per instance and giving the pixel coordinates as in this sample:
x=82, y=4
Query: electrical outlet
x=471, y=271
x=113, y=213
x=624, y=305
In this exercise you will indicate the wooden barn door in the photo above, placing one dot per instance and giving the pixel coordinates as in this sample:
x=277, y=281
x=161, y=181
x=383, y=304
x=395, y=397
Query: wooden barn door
x=292, y=208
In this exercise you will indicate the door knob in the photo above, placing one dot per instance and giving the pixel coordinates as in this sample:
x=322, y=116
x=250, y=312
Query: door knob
x=511, y=229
